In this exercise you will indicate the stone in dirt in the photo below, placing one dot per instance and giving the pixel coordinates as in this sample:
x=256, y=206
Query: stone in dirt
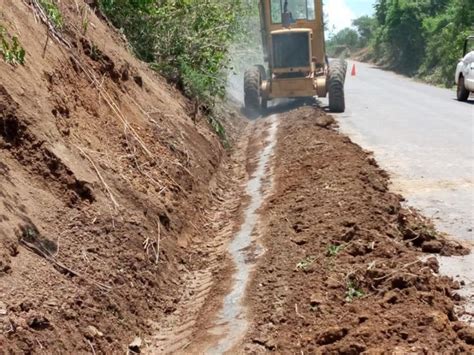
x=92, y=332
x=3, y=309
x=136, y=345
x=38, y=321
x=467, y=334
x=331, y=335
x=433, y=264
x=432, y=246
x=324, y=121
x=316, y=300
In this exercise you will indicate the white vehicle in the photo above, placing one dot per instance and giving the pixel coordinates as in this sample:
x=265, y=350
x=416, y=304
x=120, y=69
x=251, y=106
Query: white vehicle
x=465, y=71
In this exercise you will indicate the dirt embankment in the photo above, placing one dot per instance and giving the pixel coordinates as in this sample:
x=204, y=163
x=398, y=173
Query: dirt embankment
x=342, y=270
x=104, y=184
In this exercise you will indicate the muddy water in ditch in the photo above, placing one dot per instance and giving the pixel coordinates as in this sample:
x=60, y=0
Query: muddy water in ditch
x=232, y=321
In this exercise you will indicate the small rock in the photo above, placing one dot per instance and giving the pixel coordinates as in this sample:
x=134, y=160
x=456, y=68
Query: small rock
x=352, y=349
x=455, y=285
x=467, y=334
x=3, y=309
x=432, y=246
x=433, y=264
x=456, y=297
x=331, y=335
x=298, y=227
x=38, y=321
x=325, y=121
x=92, y=332
x=457, y=326
x=136, y=345
x=357, y=249
x=391, y=297
x=333, y=284
x=270, y=344
x=299, y=240
x=426, y=297
x=316, y=300
x=436, y=320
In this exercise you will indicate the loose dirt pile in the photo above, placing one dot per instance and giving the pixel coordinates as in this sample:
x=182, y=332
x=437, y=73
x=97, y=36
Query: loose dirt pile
x=105, y=181
x=342, y=271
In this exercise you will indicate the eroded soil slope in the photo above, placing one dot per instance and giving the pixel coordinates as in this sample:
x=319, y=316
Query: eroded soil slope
x=342, y=270
x=104, y=184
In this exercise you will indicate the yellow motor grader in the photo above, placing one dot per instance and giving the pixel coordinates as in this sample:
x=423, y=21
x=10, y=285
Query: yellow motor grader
x=294, y=50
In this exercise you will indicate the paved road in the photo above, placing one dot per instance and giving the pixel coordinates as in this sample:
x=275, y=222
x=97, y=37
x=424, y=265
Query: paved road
x=422, y=136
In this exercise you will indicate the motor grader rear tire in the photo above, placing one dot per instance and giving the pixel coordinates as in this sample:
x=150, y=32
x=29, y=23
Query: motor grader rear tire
x=337, y=76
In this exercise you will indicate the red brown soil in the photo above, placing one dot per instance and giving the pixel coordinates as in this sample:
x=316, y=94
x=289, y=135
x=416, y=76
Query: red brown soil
x=115, y=210
x=105, y=188
x=342, y=270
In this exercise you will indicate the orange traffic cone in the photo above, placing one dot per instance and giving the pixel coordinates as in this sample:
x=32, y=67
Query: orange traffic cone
x=353, y=70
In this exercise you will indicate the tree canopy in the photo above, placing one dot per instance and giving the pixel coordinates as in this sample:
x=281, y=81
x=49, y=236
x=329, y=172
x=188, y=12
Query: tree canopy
x=415, y=37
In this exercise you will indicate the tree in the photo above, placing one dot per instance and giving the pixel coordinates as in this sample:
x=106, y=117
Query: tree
x=186, y=40
x=365, y=27
x=345, y=40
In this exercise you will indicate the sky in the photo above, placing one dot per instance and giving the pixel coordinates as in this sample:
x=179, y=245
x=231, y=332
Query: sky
x=342, y=12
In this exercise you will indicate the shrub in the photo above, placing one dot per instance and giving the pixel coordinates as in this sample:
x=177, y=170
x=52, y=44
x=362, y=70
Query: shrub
x=53, y=13
x=11, y=49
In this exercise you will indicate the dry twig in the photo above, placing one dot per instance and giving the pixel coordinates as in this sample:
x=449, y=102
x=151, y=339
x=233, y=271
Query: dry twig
x=107, y=188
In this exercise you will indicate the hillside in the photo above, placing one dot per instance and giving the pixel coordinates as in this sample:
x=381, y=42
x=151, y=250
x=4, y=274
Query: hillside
x=104, y=180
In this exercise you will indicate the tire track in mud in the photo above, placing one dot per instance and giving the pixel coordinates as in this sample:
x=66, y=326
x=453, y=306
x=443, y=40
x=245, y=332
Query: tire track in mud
x=232, y=322
x=341, y=271
x=211, y=315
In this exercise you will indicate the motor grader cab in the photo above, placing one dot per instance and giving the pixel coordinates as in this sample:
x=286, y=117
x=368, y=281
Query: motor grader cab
x=294, y=50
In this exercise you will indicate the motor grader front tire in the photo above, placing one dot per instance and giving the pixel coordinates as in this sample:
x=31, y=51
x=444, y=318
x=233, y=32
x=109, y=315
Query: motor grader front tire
x=253, y=77
x=336, y=79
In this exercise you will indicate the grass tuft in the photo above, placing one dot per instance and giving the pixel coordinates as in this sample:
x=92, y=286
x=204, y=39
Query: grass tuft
x=334, y=250
x=305, y=263
x=353, y=292
x=53, y=13
x=11, y=49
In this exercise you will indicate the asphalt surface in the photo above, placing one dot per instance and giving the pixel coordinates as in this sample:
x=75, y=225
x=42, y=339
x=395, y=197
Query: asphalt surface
x=422, y=136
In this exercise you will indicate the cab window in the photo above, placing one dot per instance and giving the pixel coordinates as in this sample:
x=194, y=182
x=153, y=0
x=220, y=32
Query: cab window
x=300, y=9
x=277, y=10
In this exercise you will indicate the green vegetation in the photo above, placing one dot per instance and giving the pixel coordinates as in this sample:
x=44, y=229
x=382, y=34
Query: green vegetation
x=334, y=250
x=85, y=19
x=421, y=38
x=190, y=42
x=187, y=41
x=353, y=292
x=11, y=49
x=53, y=13
x=305, y=263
